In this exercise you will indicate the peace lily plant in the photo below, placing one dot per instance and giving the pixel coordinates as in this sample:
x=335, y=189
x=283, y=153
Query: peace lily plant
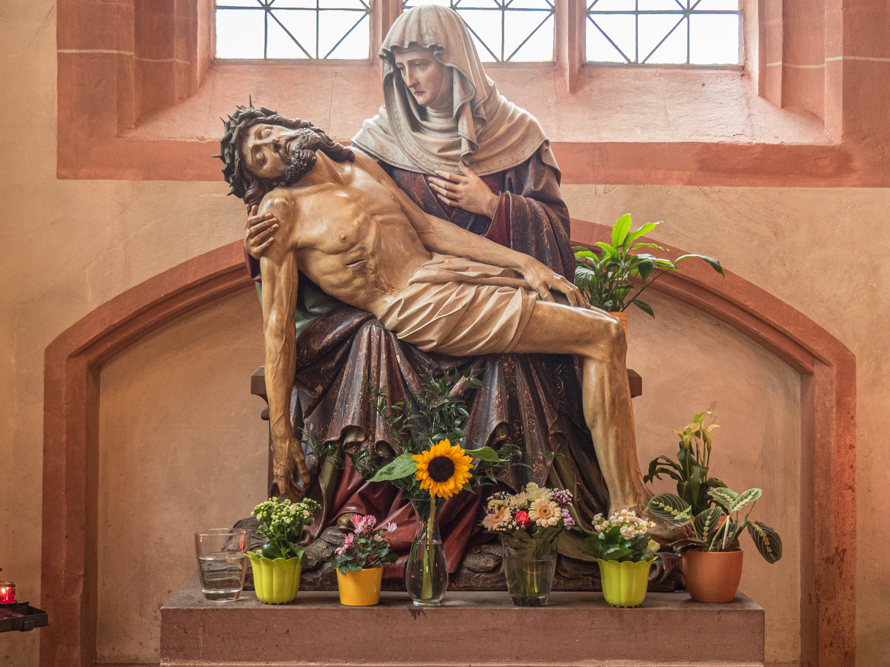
x=607, y=276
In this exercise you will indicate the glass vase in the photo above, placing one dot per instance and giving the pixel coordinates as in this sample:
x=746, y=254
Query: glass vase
x=426, y=573
x=529, y=579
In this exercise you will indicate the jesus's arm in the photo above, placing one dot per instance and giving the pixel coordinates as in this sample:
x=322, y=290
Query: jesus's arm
x=441, y=236
x=280, y=279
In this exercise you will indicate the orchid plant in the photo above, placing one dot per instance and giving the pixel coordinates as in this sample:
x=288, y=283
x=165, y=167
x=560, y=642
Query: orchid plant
x=365, y=546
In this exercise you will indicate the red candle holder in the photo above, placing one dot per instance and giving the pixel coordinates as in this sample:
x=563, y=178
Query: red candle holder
x=7, y=592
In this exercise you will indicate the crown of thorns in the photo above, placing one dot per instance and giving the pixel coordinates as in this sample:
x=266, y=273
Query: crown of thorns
x=235, y=127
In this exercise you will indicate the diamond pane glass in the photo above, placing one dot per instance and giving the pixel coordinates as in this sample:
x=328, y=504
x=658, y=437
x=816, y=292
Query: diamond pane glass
x=620, y=29
x=505, y=30
x=239, y=33
x=714, y=39
x=613, y=6
x=665, y=34
x=293, y=29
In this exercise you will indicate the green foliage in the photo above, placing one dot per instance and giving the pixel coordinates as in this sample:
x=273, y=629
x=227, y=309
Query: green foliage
x=439, y=416
x=623, y=537
x=691, y=468
x=718, y=528
x=365, y=546
x=607, y=276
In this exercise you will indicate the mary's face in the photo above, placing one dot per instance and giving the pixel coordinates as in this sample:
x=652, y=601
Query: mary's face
x=423, y=75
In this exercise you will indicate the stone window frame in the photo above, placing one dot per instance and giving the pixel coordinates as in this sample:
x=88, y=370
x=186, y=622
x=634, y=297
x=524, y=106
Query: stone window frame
x=121, y=62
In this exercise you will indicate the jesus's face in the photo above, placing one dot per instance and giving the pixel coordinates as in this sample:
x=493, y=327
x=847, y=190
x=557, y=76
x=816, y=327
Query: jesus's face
x=423, y=75
x=262, y=149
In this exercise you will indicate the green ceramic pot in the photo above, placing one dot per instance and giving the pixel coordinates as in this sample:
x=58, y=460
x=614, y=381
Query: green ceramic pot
x=276, y=580
x=624, y=584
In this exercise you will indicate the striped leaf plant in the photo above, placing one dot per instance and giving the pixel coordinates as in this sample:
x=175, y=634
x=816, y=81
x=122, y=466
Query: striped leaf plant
x=718, y=528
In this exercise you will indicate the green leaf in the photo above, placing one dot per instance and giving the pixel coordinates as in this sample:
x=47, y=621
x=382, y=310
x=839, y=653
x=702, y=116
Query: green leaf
x=700, y=417
x=767, y=541
x=745, y=498
x=645, y=267
x=620, y=229
x=609, y=250
x=642, y=231
x=706, y=524
x=724, y=496
x=713, y=263
x=669, y=507
x=645, y=307
x=401, y=466
x=483, y=454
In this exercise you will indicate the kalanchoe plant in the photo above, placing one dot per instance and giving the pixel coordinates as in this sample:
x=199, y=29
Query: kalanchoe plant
x=283, y=524
x=690, y=470
x=364, y=547
x=718, y=528
x=623, y=537
x=607, y=276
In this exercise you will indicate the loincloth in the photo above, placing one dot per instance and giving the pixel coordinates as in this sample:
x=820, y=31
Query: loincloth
x=462, y=308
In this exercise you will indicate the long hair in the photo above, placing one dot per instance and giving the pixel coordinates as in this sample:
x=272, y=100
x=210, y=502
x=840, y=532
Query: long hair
x=251, y=188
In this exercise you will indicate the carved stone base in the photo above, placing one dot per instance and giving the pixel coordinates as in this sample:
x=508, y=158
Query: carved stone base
x=479, y=629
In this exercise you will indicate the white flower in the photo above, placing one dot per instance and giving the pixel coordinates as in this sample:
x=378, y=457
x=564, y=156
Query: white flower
x=534, y=492
x=627, y=531
x=544, y=512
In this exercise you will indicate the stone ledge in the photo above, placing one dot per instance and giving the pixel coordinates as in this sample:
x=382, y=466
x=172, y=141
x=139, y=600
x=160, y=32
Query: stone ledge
x=473, y=629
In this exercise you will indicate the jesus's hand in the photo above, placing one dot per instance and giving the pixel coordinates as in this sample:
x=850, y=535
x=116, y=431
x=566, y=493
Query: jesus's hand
x=544, y=280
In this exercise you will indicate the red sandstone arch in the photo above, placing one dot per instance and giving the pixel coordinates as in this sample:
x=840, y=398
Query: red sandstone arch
x=71, y=412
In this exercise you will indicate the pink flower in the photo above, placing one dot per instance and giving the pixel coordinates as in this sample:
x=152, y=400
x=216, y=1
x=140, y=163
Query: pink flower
x=388, y=527
x=522, y=520
x=627, y=531
x=347, y=542
x=363, y=523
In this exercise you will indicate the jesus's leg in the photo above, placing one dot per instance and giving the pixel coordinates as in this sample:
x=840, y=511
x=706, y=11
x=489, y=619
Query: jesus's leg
x=599, y=340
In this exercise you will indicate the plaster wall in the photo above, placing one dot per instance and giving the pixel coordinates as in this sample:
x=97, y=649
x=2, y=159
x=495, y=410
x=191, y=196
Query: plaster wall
x=73, y=245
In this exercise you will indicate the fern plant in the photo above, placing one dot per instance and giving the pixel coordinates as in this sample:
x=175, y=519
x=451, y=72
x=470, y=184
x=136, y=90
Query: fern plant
x=607, y=276
x=718, y=528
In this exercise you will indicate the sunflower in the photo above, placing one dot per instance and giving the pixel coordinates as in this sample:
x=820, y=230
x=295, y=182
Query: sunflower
x=443, y=469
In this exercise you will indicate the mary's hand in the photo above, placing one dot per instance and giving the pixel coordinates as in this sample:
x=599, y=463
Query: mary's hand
x=259, y=233
x=468, y=192
x=544, y=280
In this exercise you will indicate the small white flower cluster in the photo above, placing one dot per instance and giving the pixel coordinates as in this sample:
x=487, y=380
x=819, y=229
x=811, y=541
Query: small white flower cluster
x=283, y=517
x=627, y=521
x=533, y=506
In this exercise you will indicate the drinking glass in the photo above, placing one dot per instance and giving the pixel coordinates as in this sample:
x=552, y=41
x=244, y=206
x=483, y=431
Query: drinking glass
x=222, y=563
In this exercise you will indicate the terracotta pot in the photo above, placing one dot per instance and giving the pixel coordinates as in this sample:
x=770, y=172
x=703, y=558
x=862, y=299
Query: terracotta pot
x=621, y=317
x=360, y=588
x=712, y=576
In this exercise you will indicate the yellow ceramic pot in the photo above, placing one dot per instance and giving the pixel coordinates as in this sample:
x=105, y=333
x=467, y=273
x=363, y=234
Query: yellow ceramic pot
x=276, y=580
x=360, y=588
x=624, y=584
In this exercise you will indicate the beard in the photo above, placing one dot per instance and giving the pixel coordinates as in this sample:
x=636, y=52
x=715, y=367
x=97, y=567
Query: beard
x=299, y=153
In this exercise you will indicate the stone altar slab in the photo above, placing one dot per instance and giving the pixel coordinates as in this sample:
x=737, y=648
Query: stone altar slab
x=478, y=629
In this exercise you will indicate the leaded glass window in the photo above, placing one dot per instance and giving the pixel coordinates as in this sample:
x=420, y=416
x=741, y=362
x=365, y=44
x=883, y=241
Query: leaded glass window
x=663, y=32
x=505, y=30
x=293, y=29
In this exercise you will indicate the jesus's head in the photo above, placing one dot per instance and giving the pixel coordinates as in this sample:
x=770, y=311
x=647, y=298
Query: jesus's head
x=262, y=150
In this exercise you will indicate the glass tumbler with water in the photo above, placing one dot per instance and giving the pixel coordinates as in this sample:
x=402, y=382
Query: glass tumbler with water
x=222, y=563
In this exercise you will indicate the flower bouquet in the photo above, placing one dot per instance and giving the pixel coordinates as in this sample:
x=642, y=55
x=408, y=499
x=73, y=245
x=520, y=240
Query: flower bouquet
x=278, y=564
x=625, y=552
x=529, y=522
x=360, y=560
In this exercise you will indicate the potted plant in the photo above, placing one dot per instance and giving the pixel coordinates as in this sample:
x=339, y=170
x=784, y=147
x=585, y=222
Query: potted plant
x=625, y=553
x=529, y=522
x=712, y=558
x=360, y=560
x=278, y=564
x=690, y=470
x=608, y=276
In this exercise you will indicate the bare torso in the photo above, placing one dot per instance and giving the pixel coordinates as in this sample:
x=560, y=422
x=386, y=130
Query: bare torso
x=349, y=232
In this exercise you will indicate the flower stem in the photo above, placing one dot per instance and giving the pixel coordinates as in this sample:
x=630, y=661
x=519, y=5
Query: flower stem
x=426, y=586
